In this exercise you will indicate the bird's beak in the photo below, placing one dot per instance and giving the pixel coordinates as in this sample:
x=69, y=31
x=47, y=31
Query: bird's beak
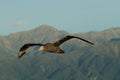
x=21, y=53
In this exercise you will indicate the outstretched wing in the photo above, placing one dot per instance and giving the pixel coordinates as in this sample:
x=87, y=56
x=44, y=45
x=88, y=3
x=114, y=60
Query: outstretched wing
x=25, y=47
x=59, y=42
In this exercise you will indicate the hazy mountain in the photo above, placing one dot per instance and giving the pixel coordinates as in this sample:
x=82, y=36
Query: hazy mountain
x=80, y=62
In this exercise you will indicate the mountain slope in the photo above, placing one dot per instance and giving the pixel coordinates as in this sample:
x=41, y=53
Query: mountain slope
x=80, y=62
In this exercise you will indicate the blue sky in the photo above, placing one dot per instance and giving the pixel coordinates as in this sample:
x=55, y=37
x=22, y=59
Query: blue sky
x=71, y=15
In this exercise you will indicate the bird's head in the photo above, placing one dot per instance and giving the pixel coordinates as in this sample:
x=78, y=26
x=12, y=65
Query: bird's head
x=41, y=48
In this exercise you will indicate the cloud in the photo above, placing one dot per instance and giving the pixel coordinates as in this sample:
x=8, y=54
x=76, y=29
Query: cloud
x=19, y=24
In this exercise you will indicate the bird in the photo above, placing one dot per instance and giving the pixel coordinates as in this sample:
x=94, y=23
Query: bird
x=50, y=47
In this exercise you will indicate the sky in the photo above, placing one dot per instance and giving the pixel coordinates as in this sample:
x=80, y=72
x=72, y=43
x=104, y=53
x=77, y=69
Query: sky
x=70, y=15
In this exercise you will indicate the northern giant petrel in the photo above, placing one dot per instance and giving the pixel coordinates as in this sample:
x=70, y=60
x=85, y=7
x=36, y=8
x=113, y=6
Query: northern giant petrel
x=49, y=47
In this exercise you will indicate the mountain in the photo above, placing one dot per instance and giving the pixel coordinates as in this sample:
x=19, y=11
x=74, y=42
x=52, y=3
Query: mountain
x=81, y=61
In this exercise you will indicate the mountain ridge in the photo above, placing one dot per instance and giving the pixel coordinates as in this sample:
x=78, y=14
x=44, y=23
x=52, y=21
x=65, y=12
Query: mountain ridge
x=81, y=61
x=46, y=26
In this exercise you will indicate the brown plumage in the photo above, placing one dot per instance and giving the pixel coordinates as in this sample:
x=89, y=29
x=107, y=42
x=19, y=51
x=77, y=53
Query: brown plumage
x=49, y=47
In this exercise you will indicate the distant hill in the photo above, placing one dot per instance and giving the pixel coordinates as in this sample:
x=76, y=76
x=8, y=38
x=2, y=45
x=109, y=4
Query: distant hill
x=80, y=62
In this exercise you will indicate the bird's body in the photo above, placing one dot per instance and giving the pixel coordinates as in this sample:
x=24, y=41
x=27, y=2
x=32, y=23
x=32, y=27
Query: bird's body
x=49, y=47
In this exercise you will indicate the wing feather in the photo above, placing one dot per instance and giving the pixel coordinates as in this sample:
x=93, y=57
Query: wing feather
x=25, y=47
x=68, y=37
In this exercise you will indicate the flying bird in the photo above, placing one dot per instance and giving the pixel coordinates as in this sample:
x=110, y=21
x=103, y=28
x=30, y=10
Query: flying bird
x=50, y=47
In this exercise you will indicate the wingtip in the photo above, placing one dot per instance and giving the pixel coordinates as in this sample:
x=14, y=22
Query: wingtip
x=20, y=54
x=92, y=43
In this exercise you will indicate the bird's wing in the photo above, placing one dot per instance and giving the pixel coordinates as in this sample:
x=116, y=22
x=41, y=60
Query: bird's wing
x=59, y=42
x=25, y=47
